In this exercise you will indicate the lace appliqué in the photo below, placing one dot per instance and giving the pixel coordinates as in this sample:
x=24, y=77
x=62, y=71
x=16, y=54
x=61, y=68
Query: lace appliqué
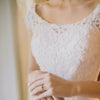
x=31, y=19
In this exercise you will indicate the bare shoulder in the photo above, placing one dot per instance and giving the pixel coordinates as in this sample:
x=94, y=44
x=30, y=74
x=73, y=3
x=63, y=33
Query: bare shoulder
x=45, y=11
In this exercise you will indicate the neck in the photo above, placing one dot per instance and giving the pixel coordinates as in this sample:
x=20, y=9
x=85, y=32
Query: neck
x=69, y=3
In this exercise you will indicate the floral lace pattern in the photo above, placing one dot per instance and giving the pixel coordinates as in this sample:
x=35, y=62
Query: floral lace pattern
x=33, y=18
x=69, y=51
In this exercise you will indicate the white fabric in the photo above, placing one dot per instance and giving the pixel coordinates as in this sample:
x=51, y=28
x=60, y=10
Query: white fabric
x=70, y=51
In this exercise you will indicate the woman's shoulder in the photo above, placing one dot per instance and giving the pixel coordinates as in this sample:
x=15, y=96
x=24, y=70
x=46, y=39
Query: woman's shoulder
x=30, y=17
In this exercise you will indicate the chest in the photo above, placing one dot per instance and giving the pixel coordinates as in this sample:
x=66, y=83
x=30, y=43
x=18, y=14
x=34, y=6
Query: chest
x=59, y=45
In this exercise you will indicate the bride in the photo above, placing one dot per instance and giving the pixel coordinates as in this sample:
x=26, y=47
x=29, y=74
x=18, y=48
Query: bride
x=64, y=57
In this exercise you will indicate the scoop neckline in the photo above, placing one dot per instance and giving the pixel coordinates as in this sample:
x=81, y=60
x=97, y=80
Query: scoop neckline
x=85, y=18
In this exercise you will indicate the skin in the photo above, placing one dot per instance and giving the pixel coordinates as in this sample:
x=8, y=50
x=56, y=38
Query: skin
x=58, y=87
x=62, y=11
x=32, y=67
x=54, y=85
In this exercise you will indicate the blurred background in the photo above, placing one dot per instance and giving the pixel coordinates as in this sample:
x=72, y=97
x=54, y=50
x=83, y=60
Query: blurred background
x=13, y=49
x=14, y=46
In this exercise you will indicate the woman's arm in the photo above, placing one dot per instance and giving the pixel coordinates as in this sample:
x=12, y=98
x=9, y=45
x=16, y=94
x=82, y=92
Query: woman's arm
x=92, y=63
x=32, y=65
x=89, y=89
x=88, y=68
x=57, y=86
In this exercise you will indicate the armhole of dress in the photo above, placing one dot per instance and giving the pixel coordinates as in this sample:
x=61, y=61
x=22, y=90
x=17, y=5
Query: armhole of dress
x=29, y=18
x=96, y=19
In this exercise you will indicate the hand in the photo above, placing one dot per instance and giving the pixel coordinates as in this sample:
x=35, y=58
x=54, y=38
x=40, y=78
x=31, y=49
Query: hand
x=52, y=86
x=31, y=76
x=36, y=73
x=51, y=98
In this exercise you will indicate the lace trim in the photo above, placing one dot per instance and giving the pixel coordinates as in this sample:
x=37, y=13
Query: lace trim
x=33, y=18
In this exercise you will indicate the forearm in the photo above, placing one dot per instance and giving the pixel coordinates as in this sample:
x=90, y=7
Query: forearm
x=89, y=89
x=32, y=68
x=32, y=65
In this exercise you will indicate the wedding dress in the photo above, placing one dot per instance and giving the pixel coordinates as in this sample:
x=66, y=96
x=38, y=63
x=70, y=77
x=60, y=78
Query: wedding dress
x=71, y=51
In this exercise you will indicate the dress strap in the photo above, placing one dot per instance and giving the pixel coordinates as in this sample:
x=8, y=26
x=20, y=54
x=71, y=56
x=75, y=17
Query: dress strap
x=30, y=17
x=96, y=18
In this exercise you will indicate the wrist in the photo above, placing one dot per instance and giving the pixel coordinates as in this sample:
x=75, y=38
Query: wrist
x=75, y=88
x=31, y=70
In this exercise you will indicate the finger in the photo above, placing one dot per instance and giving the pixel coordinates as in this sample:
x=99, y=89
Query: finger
x=50, y=98
x=44, y=94
x=43, y=99
x=37, y=90
x=59, y=98
x=39, y=71
x=36, y=84
x=47, y=98
x=40, y=99
x=34, y=79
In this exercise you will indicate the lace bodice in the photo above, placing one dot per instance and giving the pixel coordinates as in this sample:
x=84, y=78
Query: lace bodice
x=71, y=51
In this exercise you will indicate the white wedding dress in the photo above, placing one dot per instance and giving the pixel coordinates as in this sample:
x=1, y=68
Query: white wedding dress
x=71, y=51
